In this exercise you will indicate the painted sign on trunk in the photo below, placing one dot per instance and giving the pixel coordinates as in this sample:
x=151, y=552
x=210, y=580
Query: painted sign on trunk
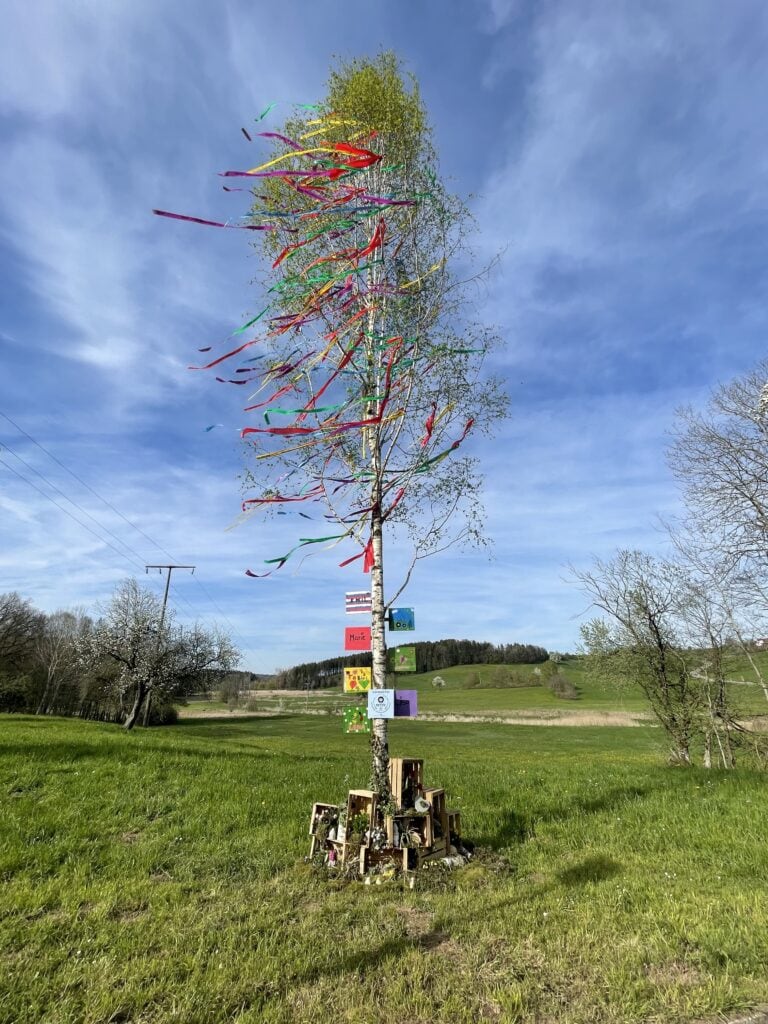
x=357, y=638
x=357, y=680
x=406, y=703
x=355, y=720
x=357, y=601
x=401, y=620
x=381, y=704
x=402, y=659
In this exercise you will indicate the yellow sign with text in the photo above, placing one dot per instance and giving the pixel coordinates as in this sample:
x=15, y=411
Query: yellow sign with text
x=357, y=680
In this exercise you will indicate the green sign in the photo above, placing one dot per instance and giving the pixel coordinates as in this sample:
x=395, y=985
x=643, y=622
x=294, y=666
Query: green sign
x=402, y=659
x=356, y=720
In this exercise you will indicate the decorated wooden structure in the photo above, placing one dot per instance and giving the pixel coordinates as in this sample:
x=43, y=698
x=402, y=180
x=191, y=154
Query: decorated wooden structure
x=365, y=837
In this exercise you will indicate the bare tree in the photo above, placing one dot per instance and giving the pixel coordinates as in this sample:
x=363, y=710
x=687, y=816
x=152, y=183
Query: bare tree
x=720, y=457
x=641, y=643
x=20, y=627
x=56, y=651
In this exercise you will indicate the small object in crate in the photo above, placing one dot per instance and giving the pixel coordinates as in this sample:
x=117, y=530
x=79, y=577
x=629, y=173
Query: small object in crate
x=421, y=805
x=377, y=838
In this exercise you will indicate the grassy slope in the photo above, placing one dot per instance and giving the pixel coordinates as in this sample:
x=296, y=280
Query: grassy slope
x=156, y=877
x=456, y=698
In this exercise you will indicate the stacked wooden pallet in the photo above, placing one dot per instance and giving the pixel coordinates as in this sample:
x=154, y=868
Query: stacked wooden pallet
x=415, y=826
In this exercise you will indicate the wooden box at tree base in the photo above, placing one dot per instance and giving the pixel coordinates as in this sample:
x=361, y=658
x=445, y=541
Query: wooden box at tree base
x=406, y=780
x=415, y=830
x=321, y=813
x=436, y=800
x=318, y=810
x=361, y=801
x=454, y=823
x=371, y=842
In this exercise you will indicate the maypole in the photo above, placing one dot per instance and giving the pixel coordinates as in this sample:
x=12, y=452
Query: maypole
x=358, y=384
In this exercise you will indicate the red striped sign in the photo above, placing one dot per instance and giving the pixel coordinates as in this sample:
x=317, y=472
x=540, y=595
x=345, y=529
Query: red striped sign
x=357, y=601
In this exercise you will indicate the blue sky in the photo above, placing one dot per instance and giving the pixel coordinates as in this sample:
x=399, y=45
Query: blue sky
x=616, y=156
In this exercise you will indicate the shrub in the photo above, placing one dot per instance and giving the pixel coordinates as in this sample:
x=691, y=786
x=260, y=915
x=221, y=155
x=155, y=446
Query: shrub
x=438, y=682
x=548, y=670
x=473, y=679
x=15, y=693
x=501, y=676
x=163, y=714
x=563, y=688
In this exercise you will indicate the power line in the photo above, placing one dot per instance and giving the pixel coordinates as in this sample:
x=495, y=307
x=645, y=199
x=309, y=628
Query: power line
x=84, y=484
x=4, y=444
x=66, y=511
x=113, y=508
x=85, y=512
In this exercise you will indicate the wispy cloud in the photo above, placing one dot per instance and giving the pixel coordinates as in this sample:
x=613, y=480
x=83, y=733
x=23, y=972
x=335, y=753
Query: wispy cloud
x=621, y=158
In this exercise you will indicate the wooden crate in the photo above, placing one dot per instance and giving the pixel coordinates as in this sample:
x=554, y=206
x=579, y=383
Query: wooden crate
x=402, y=821
x=317, y=811
x=406, y=779
x=437, y=851
x=370, y=858
x=436, y=800
x=454, y=823
x=420, y=823
x=361, y=801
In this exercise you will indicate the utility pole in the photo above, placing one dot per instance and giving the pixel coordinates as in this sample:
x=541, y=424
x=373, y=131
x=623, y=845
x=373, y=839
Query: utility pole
x=170, y=569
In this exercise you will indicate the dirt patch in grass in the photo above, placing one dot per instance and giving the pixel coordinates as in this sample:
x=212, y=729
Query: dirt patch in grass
x=675, y=973
x=417, y=922
x=584, y=718
x=542, y=717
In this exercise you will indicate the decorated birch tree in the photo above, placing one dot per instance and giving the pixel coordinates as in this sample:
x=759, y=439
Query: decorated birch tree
x=365, y=365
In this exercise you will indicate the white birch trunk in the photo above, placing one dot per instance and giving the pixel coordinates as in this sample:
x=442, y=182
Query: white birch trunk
x=380, y=733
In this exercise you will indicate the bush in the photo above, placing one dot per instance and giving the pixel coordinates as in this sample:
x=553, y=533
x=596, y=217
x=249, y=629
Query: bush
x=15, y=693
x=251, y=705
x=230, y=688
x=163, y=714
x=548, y=670
x=563, y=688
x=501, y=676
x=473, y=679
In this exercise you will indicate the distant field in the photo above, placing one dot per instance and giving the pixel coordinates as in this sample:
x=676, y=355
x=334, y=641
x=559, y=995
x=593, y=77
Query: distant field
x=457, y=699
x=156, y=877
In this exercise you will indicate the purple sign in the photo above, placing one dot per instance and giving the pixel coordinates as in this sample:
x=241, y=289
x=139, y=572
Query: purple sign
x=406, y=703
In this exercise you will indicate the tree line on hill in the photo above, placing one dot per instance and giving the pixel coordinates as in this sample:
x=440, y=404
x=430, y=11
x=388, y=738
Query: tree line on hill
x=129, y=664
x=431, y=656
x=679, y=625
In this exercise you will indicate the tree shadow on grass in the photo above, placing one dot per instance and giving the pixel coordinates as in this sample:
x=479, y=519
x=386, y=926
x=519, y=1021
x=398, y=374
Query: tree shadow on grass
x=513, y=827
x=592, y=869
x=67, y=753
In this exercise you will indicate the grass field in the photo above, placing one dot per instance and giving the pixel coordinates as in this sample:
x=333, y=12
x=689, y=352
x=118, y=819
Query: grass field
x=456, y=698
x=158, y=877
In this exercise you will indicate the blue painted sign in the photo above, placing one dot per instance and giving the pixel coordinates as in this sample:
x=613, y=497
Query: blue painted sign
x=401, y=620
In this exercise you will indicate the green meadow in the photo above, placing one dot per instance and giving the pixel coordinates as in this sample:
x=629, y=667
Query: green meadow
x=159, y=876
x=458, y=697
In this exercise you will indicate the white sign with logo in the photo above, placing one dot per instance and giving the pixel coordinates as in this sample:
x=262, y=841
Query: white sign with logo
x=381, y=703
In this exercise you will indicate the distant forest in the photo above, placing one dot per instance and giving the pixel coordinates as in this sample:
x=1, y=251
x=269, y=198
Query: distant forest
x=431, y=656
